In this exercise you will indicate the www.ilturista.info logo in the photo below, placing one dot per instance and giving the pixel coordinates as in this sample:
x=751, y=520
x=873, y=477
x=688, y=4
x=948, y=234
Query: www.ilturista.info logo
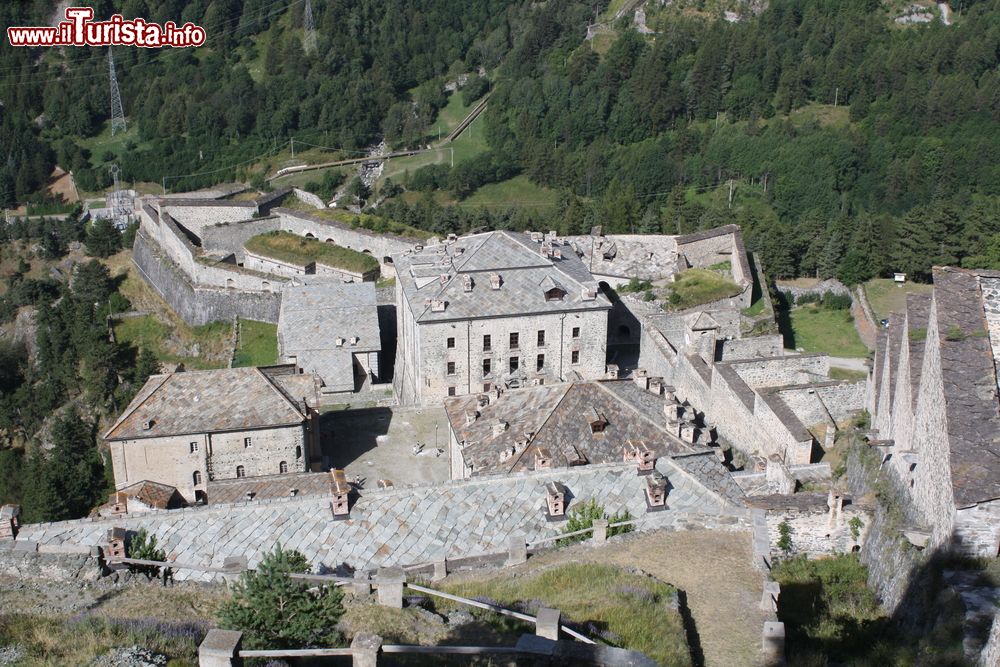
x=80, y=30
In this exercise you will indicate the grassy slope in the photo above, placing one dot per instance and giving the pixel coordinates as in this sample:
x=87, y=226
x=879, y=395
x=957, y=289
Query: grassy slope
x=634, y=609
x=258, y=344
x=289, y=247
x=697, y=286
x=814, y=329
x=516, y=192
x=886, y=297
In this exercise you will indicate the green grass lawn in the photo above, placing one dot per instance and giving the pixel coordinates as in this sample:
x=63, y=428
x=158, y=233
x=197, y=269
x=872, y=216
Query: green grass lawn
x=148, y=332
x=299, y=179
x=288, y=247
x=103, y=142
x=634, y=611
x=452, y=114
x=258, y=344
x=815, y=329
x=517, y=192
x=697, y=286
x=886, y=296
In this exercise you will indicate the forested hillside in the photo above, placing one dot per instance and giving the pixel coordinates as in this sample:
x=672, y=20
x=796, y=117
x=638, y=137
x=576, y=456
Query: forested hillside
x=635, y=132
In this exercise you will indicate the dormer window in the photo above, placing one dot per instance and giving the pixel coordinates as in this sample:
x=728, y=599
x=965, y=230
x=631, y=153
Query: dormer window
x=596, y=420
x=555, y=294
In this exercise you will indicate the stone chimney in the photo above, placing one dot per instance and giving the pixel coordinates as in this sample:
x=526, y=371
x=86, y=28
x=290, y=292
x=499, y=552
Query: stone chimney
x=543, y=459
x=471, y=416
x=495, y=281
x=340, y=492
x=555, y=501
x=639, y=452
x=437, y=306
x=656, y=492
x=498, y=427
x=467, y=283
x=119, y=503
x=611, y=372
x=655, y=386
x=589, y=292
x=116, y=543
x=669, y=392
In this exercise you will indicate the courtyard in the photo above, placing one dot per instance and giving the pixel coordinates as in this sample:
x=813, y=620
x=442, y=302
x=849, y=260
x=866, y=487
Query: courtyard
x=377, y=443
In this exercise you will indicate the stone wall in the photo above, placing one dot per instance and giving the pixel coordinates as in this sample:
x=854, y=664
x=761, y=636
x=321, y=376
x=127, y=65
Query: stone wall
x=813, y=533
x=778, y=372
x=30, y=560
x=748, y=348
x=229, y=237
x=308, y=198
x=990, y=656
x=977, y=530
x=704, y=249
x=195, y=215
x=197, y=306
x=819, y=289
x=381, y=246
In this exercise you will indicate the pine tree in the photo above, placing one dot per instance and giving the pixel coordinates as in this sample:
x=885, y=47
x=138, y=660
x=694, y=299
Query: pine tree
x=103, y=240
x=275, y=611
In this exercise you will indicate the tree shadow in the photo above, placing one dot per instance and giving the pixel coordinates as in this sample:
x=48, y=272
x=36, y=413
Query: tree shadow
x=782, y=313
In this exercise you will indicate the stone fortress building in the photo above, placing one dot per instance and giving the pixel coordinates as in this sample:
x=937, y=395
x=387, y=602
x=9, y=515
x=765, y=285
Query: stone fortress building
x=935, y=413
x=187, y=429
x=498, y=309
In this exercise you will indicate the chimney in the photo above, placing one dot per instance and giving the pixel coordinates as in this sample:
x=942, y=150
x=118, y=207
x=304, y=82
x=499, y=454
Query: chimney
x=589, y=292
x=611, y=372
x=639, y=452
x=536, y=237
x=467, y=283
x=543, y=459
x=655, y=385
x=499, y=426
x=437, y=306
x=116, y=543
x=495, y=280
x=340, y=492
x=339, y=342
x=482, y=400
x=555, y=501
x=507, y=453
x=556, y=253
x=471, y=416
x=119, y=504
x=148, y=424
x=656, y=493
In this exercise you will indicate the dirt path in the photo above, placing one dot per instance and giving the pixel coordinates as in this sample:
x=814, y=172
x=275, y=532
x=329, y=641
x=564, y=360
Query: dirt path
x=712, y=568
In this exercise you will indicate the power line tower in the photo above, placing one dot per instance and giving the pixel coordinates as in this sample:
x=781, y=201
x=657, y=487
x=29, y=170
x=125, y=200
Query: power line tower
x=309, y=26
x=117, y=114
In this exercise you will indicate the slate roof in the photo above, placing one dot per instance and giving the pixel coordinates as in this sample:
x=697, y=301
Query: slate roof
x=313, y=316
x=918, y=310
x=401, y=526
x=970, y=387
x=555, y=415
x=205, y=402
x=526, y=275
x=268, y=487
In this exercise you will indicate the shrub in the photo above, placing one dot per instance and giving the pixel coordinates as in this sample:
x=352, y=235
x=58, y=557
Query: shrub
x=855, y=524
x=833, y=301
x=275, y=611
x=583, y=516
x=142, y=545
x=785, y=537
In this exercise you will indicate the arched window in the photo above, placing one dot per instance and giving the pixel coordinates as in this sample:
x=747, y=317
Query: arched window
x=240, y=472
x=196, y=477
x=283, y=467
x=298, y=452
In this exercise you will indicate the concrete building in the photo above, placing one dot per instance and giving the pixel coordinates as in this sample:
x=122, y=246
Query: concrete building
x=933, y=399
x=188, y=428
x=499, y=309
x=332, y=330
x=558, y=426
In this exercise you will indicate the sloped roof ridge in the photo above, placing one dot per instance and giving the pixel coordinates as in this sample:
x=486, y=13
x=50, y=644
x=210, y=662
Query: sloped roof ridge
x=137, y=402
x=541, y=427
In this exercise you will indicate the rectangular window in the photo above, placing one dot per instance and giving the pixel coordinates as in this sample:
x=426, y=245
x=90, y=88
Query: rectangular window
x=487, y=343
x=247, y=442
x=487, y=366
x=575, y=357
x=540, y=362
x=487, y=386
x=451, y=368
x=451, y=391
x=576, y=332
x=451, y=343
x=541, y=338
x=194, y=447
x=514, y=364
x=513, y=341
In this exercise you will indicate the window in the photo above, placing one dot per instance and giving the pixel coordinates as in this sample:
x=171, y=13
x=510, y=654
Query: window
x=247, y=442
x=298, y=451
x=487, y=386
x=540, y=362
x=451, y=391
x=194, y=447
x=196, y=477
x=576, y=332
x=451, y=343
x=487, y=367
x=451, y=368
x=514, y=362
x=487, y=343
x=240, y=472
x=575, y=357
x=283, y=467
x=541, y=338
x=513, y=341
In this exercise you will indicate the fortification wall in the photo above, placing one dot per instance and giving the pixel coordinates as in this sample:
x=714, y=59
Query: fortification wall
x=756, y=346
x=381, y=246
x=705, y=249
x=29, y=560
x=977, y=530
x=804, y=402
x=229, y=237
x=197, y=216
x=844, y=400
x=813, y=534
x=801, y=369
x=308, y=198
x=197, y=306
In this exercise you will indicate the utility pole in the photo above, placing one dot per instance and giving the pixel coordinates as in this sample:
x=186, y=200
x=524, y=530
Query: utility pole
x=291, y=142
x=309, y=26
x=117, y=113
x=730, y=193
x=836, y=96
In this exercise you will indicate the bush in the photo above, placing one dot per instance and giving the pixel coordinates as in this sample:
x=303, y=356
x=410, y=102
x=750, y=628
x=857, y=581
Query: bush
x=474, y=88
x=583, y=516
x=833, y=301
x=142, y=545
x=785, y=537
x=278, y=612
